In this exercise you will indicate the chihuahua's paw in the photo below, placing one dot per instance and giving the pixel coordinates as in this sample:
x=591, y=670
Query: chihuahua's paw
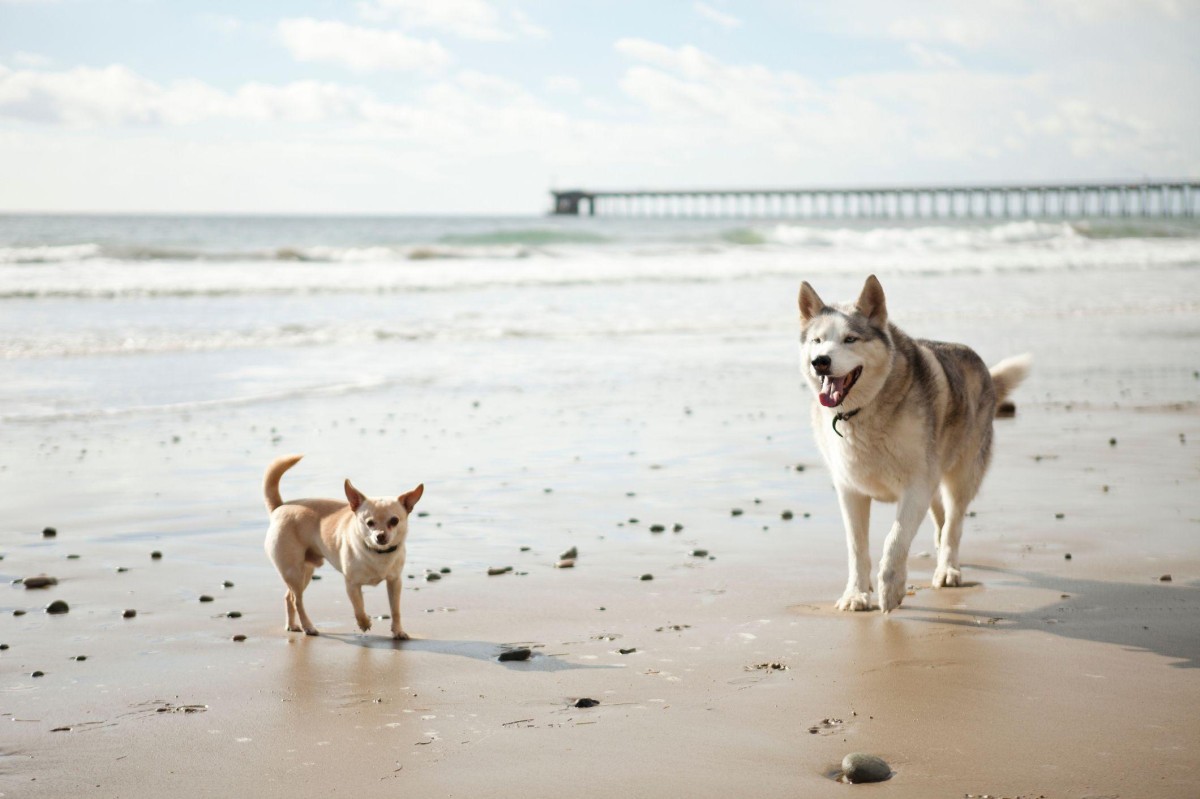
x=292, y=628
x=364, y=622
x=311, y=631
x=854, y=600
x=399, y=635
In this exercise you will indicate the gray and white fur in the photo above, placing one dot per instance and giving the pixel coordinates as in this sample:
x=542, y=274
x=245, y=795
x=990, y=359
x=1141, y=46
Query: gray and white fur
x=898, y=420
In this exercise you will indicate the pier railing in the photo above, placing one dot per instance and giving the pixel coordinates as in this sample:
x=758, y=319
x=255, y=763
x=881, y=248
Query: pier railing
x=1073, y=200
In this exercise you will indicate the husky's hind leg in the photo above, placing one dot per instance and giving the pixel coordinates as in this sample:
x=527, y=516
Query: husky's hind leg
x=938, y=514
x=956, y=495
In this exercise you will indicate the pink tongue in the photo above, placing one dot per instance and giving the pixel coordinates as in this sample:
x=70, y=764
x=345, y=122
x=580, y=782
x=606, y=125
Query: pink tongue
x=831, y=391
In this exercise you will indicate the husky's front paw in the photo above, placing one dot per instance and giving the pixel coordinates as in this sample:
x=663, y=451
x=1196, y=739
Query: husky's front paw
x=947, y=577
x=892, y=588
x=854, y=599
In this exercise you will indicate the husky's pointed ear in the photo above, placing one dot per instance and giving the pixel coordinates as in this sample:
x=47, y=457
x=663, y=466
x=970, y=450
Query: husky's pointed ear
x=409, y=500
x=810, y=303
x=871, y=302
x=355, y=496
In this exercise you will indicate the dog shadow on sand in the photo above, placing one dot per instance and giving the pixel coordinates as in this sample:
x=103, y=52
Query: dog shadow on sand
x=474, y=650
x=1157, y=617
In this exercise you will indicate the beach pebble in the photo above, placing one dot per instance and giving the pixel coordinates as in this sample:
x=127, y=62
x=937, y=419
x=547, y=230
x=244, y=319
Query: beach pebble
x=522, y=653
x=40, y=581
x=565, y=563
x=629, y=651
x=239, y=638
x=646, y=577
x=38, y=674
x=859, y=767
x=657, y=528
x=129, y=614
x=316, y=577
x=227, y=584
x=3, y=647
x=234, y=614
x=677, y=528
x=699, y=553
x=58, y=606
x=786, y=515
x=736, y=512
x=586, y=702
x=73, y=557
x=432, y=577
x=205, y=598
x=156, y=555
x=80, y=658
x=18, y=612
x=1060, y=515
x=570, y=554
x=1067, y=556
x=122, y=569
x=444, y=570
x=525, y=549
x=1166, y=578
x=49, y=532
x=494, y=570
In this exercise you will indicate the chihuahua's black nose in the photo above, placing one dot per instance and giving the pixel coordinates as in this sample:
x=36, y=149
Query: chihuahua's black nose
x=821, y=364
x=381, y=537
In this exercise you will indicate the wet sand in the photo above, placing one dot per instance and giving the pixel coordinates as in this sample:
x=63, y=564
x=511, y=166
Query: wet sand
x=1046, y=676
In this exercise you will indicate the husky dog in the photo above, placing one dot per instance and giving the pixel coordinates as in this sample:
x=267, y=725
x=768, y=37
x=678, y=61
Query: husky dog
x=898, y=420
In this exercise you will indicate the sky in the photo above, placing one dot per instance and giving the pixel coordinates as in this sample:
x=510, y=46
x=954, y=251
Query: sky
x=484, y=106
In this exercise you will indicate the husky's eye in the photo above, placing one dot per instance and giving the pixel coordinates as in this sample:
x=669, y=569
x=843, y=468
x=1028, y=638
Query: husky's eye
x=371, y=523
x=392, y=522
x=850, y=339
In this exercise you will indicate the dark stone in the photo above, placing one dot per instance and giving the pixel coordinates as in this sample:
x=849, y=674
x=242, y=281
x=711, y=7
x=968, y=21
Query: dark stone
x=736, y=512
x=234, y=614
x=80, y=658
x=524, y=549
x=18, y=612
x=432, y=577
x=629, y=651
x=49, y=532
x=58, y=606
x=522, y=653
x=677, y=528
x=646, y=577
x=858, y=767
x=205, y=598
x=3, y=647
x=122, y=569
x=156, y=555
x=699, y=553
x=239, y=638
x=316, y=577
x=494, y=570
x=569, y=554
x=227, y=584
x=657, y=528
x=1067, y=556
x=586, y=702
x=1166, y=578
x=1060, y=515
x=445, y=570
x=38, y=674
x=129, y=614
x=40, y=581
x=73, y=557
x=786, y=515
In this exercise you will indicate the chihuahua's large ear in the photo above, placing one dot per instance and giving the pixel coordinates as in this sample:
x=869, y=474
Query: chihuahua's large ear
x=354, y=496
x=409, y=500
x=810, y=304
x=871, y=302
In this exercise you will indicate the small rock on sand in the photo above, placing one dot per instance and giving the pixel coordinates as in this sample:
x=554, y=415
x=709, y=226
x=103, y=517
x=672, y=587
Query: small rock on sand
x=432, y=577
x=786, y=515
x=234, y=614
x=38, y=674
x=1067, y=556
x=570, y=554
x=858, y=767
x=587, y=702
x=494, y=570
x=629, y=651
x=521, y=653
x=129, y=614
x=699, y=553
x=40, y=581
x=49, y=532
x=156, y=555
x=646, y=577
x=736, y=512
x=657, y=528
x=227, y=584
x=58, y=606
x=677, y=528
x=205, y=598
x=525, y=549
x=1166, y=578
x=565, y=563
x=239, y=638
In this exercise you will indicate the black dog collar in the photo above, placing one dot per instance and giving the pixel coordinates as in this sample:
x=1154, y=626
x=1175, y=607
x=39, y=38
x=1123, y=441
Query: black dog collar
x=394, y=547
x=843, y=417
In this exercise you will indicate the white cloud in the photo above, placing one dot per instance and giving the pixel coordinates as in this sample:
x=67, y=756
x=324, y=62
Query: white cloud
x=360, y=49
x=931, y=58
x=468, y=19
x=562, y=84
x=719, y=17
x=32, y=60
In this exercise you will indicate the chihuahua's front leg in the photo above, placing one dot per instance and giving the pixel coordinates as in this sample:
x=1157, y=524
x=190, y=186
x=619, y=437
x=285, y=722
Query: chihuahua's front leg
x=393, y=585
x=356, y=599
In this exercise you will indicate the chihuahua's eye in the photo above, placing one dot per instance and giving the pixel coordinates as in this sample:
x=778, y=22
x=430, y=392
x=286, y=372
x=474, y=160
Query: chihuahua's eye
x=851, y=339
x=371, y=523
x=392, y=522
x=816, y=341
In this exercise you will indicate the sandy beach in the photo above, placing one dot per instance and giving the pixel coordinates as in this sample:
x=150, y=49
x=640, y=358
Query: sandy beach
x=1066, y=668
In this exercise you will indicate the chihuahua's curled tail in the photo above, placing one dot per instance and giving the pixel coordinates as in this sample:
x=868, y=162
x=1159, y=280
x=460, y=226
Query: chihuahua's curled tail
x=271, y=480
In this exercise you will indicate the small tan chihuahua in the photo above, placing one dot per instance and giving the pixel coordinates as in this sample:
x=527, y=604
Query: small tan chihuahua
x=364, y=540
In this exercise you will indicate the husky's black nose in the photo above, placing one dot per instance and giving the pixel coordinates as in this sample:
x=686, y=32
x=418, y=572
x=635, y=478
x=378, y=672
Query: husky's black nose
x=821, y=364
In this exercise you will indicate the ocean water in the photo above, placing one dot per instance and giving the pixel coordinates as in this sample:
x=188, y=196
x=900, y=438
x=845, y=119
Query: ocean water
x=136, y=314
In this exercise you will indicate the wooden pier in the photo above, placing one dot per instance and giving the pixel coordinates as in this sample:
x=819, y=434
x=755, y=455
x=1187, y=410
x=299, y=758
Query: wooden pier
x=1156, y=198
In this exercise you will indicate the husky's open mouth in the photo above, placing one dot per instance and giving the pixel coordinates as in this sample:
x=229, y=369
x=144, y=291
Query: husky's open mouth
x=834, y=390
